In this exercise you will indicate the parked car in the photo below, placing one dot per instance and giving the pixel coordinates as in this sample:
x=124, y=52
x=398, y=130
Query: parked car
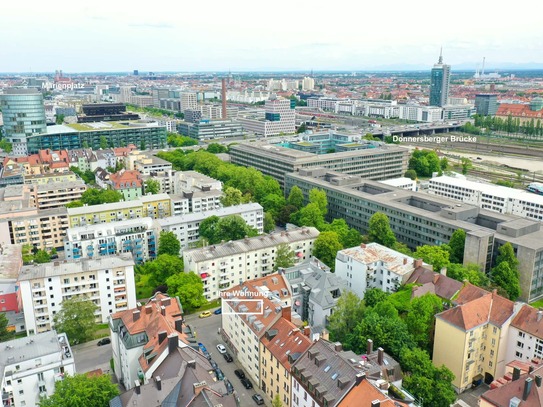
x=258, y=399
x=246, y=383
x=228, y=357
x=213, y=364
x=239, y=373
x=218, y=311
x=104, y=341
x=229, y=387
x=205, y=314
x=219, y=374
x=221, y=348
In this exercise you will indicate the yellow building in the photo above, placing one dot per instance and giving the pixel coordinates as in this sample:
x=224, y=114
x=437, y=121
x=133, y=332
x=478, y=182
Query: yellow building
x=471, y=338
x=280, y=346
x=155, y=206
x=53, y=177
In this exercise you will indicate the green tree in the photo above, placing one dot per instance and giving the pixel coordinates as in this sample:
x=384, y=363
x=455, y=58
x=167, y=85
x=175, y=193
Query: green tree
x=411, y=174
x=326, y=247
x=176, y=140
x=59, y=118
x=507, y=278
x=168, y=244
x=437, y=256
x=348, y=237
x=456, y=246
x=420, y=319
x=424, y=162
x=142, y=145
x=151, y=186
x=471, y=272
x=309, y=215
x=276, y=402
x=5, y=333
x=27, y=255
x=103, y=142
x=82, y=390
x=466, y=164
x=269, y=222
x=93, y=196
x=379, y=230
x=6, y=146
x=233, y=227
x=348, y=311
x=284, y=257
x=318, y=197
x=374, y=296
x=301, y=129
x=76, y=319
x=216, y=148
x=273, y=204
x=189, y=287
x=160, y=269
x=285, y=214
x=506, y=254
x=444, y=164
x=74, y=204
x=42, y=256
x=208, y=229
x=231, y=196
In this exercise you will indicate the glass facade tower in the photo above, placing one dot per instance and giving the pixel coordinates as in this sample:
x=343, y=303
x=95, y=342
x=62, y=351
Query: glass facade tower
x=439, y=83
x=24, y=115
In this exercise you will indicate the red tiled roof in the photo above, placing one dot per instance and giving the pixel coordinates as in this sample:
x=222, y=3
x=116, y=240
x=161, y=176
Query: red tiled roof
x=363, y=394
x=490, y=308
x=288, y=340
x=530, y=320
x=502, y=395
x=151, y=321
x=127, y=178
x=517, y=110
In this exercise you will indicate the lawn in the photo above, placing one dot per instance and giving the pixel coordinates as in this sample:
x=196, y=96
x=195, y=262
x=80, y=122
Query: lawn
x=537, y=304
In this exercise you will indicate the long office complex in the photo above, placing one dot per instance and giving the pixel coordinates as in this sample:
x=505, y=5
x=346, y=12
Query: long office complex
x=384, y=162
x=419, y=219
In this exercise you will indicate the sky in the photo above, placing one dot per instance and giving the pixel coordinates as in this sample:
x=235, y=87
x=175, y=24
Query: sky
x=280, y=35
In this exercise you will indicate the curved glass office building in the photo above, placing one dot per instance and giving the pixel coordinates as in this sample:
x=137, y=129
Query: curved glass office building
x=24, y=115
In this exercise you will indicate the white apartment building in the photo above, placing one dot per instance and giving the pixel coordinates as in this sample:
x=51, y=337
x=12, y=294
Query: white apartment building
x=525, y=340
x=222, y=266
x=30, y=367
x=189, y=100
x=190, y=181
x=58, y=194
x=489, y=196
x=171, y=125
x=308, y=83
x=401, y=182
x=374, y=266
x=196, y=202
x=279, y=117
x=135, y=236
x=248, y=311
x=107, y=281
x=186, y=227
x=378, y=108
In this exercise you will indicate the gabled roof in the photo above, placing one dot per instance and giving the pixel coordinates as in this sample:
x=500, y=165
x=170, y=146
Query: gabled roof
x=529, y=320
x=285, y=342
x=364, y=393
x=501, y=396
x=488, y=308
x=435, y=283
x=127, y=178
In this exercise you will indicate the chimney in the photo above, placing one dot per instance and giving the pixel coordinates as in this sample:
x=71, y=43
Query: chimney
x=158, y=382
x=137, y=388
x=179, y=325
x=191, y=364
x=359, y=377
x=527, y=388
x=307, y=331
x=286, y=311
x=163, y=310
x=369, y=347
x=338, y=347
x=362, y=245
x=443, y=271
x=375, y=403
x=223, y=97
x=516, y=373
x=166, y=301
x=380, y=356
x=538, y=381
x=417, y=263
x=161, y=336
x=531, y=369
x=136, y=315
x=148, y=309
x=539, y=315
x=173, y=342
x=405, y=261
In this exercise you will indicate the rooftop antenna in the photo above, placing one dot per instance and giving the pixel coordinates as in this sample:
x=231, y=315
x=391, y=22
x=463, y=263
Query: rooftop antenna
x=440, y=61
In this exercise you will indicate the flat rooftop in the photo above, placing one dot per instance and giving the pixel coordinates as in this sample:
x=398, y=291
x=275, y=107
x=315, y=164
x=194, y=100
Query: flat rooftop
x=195, y=216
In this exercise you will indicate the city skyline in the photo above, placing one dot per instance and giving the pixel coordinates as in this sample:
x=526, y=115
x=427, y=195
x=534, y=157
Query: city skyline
x=108, y=37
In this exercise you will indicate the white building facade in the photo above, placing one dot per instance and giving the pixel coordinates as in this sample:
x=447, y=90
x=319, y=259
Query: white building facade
x=108, y=282
x=31, y=366
x=228, y=264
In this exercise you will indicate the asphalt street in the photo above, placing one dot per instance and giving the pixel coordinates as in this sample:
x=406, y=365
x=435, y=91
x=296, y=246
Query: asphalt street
x=207, y=333
x=89, y=356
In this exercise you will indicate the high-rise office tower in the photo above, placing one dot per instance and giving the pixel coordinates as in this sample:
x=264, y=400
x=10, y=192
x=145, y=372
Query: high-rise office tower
x=486, y=104
x=439, y=83
x=24, y=116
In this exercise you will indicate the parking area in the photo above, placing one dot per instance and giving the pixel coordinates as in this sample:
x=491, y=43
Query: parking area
x=89, y=356
x=207, y=332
